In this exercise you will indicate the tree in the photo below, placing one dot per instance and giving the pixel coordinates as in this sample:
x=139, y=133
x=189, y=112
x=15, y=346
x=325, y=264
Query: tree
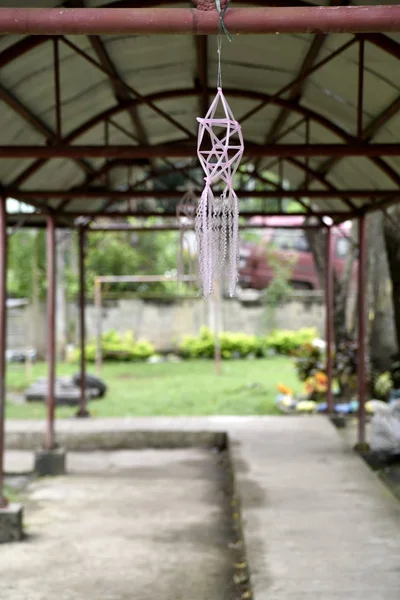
x=26, y=275
x=111, y=253
x=391, y=233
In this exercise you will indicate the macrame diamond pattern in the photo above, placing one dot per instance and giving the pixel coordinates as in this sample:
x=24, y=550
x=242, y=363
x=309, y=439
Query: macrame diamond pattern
x=219, y=149
x=186, y=209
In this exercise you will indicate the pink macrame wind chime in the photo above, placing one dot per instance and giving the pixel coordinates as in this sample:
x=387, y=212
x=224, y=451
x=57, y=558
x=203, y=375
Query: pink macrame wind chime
x=185, y=216
x=220, y=149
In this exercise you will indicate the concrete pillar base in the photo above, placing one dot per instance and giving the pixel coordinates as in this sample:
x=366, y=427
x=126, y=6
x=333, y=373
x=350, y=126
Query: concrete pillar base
x=50, y=462
x=338, y=421
x=82, y=413
x=362, y=447
x=11, y=528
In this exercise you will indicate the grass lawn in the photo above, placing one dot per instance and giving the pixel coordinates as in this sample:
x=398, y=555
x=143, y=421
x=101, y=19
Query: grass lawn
x=246, y=387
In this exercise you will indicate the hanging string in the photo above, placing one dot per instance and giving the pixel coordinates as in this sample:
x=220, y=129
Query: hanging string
x=219, y=76
x=221, y=12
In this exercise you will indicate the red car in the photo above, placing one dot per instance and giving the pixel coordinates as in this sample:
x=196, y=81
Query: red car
x=290, y=246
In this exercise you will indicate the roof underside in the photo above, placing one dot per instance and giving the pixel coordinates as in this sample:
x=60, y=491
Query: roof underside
x=123, y=90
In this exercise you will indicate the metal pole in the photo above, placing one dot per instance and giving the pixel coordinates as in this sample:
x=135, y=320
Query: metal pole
x=51, y=332
x=329, y=317
x=217, y=327
x=360, y=97
x=3, y=338
x=188, y=150
x=361, y=371
x=57, y=87
x=167, y=195
x=97, y=301
x=83, y=411
x=145, y=21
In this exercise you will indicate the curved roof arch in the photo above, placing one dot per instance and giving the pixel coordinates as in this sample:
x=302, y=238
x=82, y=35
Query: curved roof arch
x=294, y=89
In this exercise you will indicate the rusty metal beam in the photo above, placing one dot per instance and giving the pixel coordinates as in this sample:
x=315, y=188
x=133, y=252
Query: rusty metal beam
x=145, y=21
x=57, y=87
x=21, y=47
x=175, y=227
x=165, y=95
x=119, y=87
x=3, y=338
x=20, y=109
x=362, y=323
x=50, y=442
x=297, y=80
x=184, y=150
x=201, y=80
x=380, y=120
x=68, y=218
x=39, y=224
x=100, y=192
x=329, y=293
x=360, y=94
x=297, y=89
x=129, y=88
x=83, y=410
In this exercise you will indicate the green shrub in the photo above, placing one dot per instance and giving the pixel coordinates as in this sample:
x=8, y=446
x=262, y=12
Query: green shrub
x=198, y=347
x=241, y=345
x=233, y=345
x=289, y=342
x=116, y=347
x=383, y=385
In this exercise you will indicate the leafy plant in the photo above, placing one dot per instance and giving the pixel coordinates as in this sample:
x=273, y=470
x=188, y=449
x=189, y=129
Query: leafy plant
x=345, y=366
x=310, y=360
x=116, y=347
x=233, y=345
x=382, y=386
x=242, y=345
x=287, y=342
x=282, y=266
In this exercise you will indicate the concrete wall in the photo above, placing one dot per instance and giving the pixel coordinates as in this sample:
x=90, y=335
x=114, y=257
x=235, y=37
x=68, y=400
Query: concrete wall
x=165, y=323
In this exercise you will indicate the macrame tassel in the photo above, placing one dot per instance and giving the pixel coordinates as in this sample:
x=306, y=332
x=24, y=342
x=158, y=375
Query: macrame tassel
x=204, y=235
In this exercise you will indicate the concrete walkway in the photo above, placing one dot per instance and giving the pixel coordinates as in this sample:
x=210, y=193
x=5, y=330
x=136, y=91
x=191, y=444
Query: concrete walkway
x=318, y=524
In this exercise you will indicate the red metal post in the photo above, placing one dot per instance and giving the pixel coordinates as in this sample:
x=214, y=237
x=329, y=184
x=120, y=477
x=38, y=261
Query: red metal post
x=97, y=302
x=145, y=21
x=362, y=291
x=3, y=338
x=329, y=318
x=97, y=192
x=57, y=86
x=83, y=411
x=217, y=301
x=360, y=99
x=51, y=331
x=307, y=159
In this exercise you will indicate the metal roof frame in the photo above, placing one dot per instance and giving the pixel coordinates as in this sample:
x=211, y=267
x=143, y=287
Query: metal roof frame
x=51, y=25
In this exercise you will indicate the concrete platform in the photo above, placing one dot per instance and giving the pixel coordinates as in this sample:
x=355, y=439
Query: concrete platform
x=317, y=522
x=50, y=462
x=11, y=523
x=123, y=525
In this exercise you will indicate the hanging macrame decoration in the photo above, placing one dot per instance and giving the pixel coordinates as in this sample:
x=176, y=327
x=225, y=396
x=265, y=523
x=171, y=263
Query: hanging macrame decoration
x=219, y=149
x=185, y=216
